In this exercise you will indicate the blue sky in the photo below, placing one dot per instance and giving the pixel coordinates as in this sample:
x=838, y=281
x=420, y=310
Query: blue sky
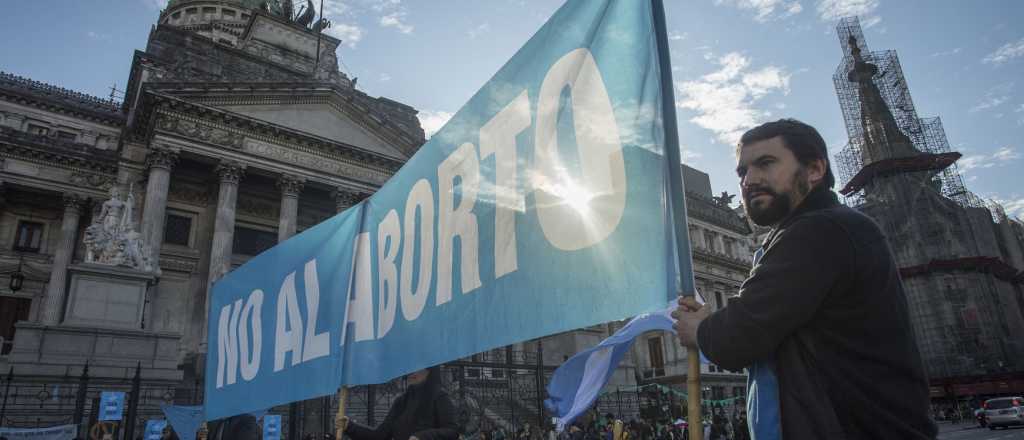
x=736, y=63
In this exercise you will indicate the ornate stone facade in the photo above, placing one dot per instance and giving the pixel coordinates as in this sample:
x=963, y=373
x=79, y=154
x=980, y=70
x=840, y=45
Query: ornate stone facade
x=205, y=143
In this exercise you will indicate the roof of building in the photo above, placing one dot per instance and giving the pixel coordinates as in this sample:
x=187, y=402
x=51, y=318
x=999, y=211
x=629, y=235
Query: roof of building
x=696, y=181
x=701, y=204
x=58, y=95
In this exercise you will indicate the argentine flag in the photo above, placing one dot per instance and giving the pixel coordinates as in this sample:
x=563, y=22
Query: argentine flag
x=577, y=383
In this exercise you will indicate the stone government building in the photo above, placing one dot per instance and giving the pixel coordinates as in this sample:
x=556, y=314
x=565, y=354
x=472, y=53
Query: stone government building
x=233, y=135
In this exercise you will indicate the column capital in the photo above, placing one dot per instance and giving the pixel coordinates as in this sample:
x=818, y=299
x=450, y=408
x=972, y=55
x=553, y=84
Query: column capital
x=290, y=185
x=73, y=203
x=161, y=157
x=345, y=197
x=230, y=171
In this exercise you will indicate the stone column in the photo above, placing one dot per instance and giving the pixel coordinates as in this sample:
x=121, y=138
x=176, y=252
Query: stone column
x=230, y=174
x=290, y=187
x=53, y=311
x=345, y=198
x=160, y=161
x=696, y=238
x=720, y=244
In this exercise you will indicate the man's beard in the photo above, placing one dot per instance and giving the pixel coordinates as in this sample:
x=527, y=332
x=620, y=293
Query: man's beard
x=780, y=205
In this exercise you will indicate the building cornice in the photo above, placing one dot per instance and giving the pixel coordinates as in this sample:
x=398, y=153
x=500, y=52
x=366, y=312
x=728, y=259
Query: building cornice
x=53, y=152
x=358, y=108
x=254, y=128
x=55, y=99
x=706, y=209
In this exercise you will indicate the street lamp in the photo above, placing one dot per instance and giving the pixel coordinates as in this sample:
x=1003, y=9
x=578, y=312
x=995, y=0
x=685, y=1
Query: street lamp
x=17, y=278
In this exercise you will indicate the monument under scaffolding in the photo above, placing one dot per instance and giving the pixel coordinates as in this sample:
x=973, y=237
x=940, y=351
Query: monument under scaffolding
x=960, y=262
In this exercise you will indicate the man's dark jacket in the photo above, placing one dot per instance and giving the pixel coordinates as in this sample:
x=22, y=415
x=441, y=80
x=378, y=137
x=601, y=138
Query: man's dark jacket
x=827, y=302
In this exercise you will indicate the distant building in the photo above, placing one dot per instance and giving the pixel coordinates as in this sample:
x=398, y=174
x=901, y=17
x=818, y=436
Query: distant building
x=960, y=259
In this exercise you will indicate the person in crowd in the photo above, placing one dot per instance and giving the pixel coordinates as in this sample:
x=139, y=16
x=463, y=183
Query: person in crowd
x=822, y=322
x=240, y=427
x=168, y=433
x=739, y=426
x=423, y=412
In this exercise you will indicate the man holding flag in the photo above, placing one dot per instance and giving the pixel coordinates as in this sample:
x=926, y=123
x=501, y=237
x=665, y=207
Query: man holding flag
x=822, y=321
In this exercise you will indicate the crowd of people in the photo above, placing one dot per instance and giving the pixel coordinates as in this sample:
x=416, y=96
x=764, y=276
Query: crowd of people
x=718, y=426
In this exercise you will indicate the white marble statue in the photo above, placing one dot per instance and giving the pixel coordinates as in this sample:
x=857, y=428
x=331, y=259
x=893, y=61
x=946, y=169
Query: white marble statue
x=111, y=238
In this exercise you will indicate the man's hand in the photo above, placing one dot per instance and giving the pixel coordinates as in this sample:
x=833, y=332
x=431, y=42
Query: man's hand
x=689, y=315
x=342, y=423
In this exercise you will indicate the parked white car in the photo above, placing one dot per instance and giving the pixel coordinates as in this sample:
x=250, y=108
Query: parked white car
x=1004, y=411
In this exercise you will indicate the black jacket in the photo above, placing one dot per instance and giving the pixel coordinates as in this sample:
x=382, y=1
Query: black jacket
x=240, y=427
x=826, y=299
x=437, y=423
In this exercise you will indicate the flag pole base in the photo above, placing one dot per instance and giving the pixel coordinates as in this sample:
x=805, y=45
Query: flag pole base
x=696, y=424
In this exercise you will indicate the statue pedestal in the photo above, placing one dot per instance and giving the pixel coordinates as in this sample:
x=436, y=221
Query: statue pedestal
x=101, y=327
x=105, y=296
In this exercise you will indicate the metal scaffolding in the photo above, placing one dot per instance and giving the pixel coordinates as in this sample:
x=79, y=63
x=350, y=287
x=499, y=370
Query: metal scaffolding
x=868, y=143
x=899, y=169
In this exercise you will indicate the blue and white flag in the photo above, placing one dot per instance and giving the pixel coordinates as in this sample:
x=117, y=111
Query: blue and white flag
x=540, y=207
x=576, y=383
x=155, y=429
x=111, y=405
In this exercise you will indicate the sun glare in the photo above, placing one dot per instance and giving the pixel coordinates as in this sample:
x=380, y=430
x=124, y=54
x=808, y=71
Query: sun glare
x=574, y=195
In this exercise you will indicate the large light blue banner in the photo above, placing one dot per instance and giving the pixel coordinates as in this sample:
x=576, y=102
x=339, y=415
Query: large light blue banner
x=539, y=208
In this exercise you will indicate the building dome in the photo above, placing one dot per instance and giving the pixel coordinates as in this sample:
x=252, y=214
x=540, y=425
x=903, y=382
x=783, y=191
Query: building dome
x=252, y=5
x=275, y=6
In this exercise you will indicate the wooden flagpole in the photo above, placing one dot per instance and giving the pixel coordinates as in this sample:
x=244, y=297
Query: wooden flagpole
x=678, y=204
x=339, y=430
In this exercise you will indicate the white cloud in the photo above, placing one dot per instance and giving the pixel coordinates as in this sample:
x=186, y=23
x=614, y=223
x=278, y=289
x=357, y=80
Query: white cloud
x=994, y=97
x=947, y=53
x=383, y=5
x=766, y=10
x=1005, y=53
x=1006, y=153
x=395, y=20
x=157, y=4
x=725, y=100
x=97, y=36
x=335, y=8
x=832, y=10
x=975, y=162
x=349, y=34
x=678, y=36
x=384, y=77
x=689, y=156
x=988, y=102
x=432, y=121
x=1020, y=110
x=478, y=31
